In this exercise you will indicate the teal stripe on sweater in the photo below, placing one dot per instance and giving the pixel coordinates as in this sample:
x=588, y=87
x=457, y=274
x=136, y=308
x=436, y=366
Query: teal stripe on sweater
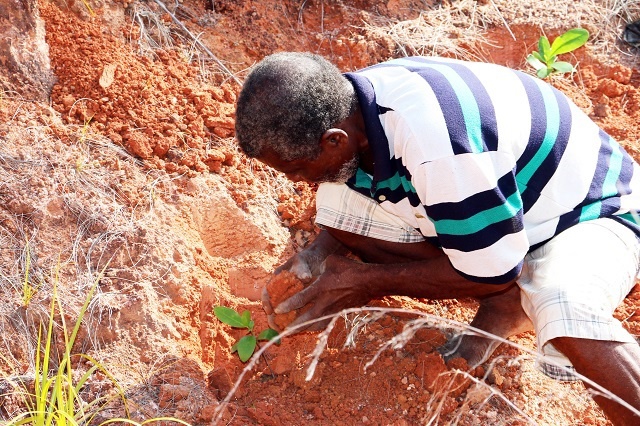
x=553, y=125
x=481, y=220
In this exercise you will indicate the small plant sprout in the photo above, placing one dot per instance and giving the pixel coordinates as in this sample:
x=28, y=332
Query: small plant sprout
x=84, y=131
x=55, y=397
x=246, y=345
x=545, y=59
x=28, y=290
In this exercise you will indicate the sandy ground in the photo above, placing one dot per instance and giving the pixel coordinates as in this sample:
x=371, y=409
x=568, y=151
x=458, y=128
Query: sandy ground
x=130, y=180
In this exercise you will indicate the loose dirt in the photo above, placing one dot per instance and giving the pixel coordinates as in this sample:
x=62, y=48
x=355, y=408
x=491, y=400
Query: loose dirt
x=280, y=288
x=130, y=179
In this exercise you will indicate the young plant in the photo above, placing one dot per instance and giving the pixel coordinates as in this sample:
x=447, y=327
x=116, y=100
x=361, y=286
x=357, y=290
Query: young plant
x=246, y=345
x=28, y=290
x=55, y=396
x=545, y=59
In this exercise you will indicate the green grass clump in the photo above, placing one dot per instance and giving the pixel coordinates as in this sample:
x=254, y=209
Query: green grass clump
x=55, y=396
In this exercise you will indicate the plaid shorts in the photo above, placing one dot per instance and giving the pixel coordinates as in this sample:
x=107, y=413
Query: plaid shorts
x=341, y=208
x=570, y=286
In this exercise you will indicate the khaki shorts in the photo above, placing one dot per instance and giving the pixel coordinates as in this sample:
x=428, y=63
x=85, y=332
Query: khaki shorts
x=570, y=286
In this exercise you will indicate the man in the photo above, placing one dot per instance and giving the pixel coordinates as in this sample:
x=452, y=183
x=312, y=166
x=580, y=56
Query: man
x=454, y=179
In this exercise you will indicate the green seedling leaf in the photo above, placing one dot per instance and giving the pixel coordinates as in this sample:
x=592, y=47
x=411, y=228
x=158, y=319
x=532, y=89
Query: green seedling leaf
x=245, y=347
x=544, y=72
x=229, y=316
x=535, y=62
x=537, y=56
x=246, y=319
x=571, y=40
x=544, y=48
x=545, y=59
x=562, y=67
x=268, y=334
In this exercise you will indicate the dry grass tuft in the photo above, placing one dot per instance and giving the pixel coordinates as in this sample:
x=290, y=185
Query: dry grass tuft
x=456, y=31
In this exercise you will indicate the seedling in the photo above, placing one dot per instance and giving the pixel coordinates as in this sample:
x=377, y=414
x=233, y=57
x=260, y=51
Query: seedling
x=28, y=290
x=55, y=397
x=246, y=345
x=545, y=59
x=84, y=132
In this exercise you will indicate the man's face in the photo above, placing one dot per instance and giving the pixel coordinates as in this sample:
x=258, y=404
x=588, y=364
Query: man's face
x=345, y=172
x=330, y=166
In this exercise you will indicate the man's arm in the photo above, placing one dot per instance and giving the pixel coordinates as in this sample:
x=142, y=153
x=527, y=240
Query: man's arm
x=308, y=262
x=344, y=283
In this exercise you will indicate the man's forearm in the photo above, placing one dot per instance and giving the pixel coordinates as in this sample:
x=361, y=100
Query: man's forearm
x=325, y=244
x=407, y=269
x=430, y=279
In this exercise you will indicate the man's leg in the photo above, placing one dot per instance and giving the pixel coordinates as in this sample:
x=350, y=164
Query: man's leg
x=570, y=287
x=500, y=310
x=621, y=375
x=500, y=314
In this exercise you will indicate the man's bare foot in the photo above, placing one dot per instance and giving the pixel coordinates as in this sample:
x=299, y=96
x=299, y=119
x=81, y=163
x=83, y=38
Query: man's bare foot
x=501, y=315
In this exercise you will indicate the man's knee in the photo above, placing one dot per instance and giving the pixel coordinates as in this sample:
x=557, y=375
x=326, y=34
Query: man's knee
x=569, y=346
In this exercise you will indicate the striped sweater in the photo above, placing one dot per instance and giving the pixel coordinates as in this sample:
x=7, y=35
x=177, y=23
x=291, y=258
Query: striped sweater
x=487, y=162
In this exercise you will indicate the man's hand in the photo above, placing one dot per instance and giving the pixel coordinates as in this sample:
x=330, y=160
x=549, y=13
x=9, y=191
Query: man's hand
x=305, y=265
x=337, y=288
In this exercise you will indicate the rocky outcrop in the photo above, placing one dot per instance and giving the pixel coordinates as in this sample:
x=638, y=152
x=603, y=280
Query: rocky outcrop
x=25, y=70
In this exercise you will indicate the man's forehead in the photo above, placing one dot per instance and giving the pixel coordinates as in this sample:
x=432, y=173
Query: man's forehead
x=275, y=160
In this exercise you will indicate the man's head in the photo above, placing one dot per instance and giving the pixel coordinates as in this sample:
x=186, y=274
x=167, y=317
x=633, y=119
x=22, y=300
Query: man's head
x=287, y=110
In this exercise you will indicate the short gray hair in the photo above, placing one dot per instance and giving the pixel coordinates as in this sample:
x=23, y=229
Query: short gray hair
x=288, y=101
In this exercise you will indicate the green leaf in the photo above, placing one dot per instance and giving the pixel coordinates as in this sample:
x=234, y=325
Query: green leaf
x=268, y=334
x=569, y=41
x=246, y=318
x=562, y=67
x=537, y=56
x=544, y=72
x=245, y=347
x=229, y=316
x=535, y=62
x=544, y=48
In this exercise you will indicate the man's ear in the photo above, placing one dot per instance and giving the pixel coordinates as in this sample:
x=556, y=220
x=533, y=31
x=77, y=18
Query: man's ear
x=334, y=138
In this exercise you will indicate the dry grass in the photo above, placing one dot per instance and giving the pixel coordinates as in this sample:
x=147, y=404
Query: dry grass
x=154, y=34
x=451, y=32
x=64, y=217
